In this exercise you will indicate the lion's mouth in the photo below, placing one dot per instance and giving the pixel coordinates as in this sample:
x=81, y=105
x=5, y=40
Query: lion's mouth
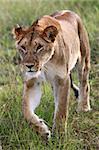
x=32, y=71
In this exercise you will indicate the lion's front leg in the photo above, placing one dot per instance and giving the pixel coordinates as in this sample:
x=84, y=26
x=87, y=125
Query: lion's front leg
x=61, y=94
x=31, y=99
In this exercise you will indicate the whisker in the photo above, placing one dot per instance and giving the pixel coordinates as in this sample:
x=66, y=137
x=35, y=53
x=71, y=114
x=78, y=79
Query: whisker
x=45, y=69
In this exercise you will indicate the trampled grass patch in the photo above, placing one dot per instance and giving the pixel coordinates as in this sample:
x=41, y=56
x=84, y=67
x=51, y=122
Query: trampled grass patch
x=83, y=129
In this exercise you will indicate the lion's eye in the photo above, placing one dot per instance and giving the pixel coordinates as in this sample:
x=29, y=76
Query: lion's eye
x=22, y=50
x=39, y=47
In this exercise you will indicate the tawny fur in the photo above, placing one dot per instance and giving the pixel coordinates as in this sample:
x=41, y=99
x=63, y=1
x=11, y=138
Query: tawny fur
x=50, y=49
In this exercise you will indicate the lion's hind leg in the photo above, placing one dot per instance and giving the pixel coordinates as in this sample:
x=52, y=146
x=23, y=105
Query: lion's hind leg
x=83, y=72
x=83, y=68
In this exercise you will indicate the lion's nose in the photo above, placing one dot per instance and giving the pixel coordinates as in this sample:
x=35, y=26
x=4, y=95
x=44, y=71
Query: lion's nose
x=29, y=66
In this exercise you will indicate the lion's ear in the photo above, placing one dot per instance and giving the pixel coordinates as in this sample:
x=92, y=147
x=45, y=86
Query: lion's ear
x=17, y=31
x=50, y=33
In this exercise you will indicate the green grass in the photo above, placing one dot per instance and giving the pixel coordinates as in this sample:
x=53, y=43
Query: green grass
x=83, y=129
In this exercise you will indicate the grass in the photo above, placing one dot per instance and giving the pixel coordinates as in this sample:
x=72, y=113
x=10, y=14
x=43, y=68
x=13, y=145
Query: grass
x=83, y=129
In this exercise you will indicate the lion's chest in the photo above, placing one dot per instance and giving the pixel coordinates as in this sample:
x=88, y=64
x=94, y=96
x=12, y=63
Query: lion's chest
x=53, y=71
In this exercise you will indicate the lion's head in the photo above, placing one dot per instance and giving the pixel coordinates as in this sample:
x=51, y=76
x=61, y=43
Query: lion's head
x=35, y=43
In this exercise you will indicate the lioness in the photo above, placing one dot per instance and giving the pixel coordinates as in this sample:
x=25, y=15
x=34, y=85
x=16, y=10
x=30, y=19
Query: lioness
x=49, y=49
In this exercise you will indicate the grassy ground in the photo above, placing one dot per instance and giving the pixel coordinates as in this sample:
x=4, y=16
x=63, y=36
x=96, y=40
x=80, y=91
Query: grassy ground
x=15, y=133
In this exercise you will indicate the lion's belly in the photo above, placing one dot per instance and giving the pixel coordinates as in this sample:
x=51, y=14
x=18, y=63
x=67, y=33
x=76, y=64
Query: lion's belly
x=74, y=54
